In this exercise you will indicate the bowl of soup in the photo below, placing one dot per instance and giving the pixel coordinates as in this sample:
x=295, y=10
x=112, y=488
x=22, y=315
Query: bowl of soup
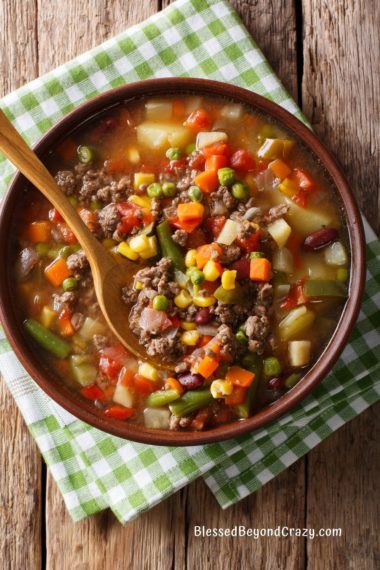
x=249, y=258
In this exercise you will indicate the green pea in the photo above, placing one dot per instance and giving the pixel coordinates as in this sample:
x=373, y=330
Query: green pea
x=196, y=275
x=160, y=303
x=190, y=148
x=154, y=190
x=73, y=201
x=241, y=337
x=195, y=194
x=42, y=248
x=86, y=154
x=272, y=366
x=173, y=153
x=240, y=191
x=226, y=176
x=169, y=189
x=70, y=284
x=256, y=254
x=96, y=205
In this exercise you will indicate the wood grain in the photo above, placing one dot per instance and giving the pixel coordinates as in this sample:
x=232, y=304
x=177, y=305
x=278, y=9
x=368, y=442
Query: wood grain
x=341, y=89
x=20, y=462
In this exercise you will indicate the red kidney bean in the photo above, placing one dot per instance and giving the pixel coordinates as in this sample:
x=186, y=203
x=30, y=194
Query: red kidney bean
x=190, y=381
x=203, y=316
x=109, y=123
x=320, y=239
x=276, y=383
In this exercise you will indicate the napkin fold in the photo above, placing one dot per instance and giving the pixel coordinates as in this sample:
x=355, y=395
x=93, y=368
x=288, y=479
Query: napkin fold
x=94, y=471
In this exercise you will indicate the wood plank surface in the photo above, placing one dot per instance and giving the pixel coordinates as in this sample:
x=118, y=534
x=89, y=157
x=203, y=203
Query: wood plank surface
x=20, y=461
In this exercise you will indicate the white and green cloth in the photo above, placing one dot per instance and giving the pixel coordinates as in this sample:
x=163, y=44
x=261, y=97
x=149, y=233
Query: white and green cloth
x=94, y=470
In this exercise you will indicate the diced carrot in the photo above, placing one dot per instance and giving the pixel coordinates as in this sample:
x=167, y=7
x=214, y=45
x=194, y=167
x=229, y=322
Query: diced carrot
x=143, y=386
x=207, y=181
x=260, y=269
x=39, y=231
x=190, y=211
x=67, y=150
x=173, y=384
x=219, y=148
x=198, y=120
x=209, y=251
x=216, y=161
x=207, y=366
x=280, y=168
x=65, y=325
x=239, y=376
x=93, y=392
x=237, y=397
x=188, y=226
x=57, y=271
x=116, y=165
x=178, y=108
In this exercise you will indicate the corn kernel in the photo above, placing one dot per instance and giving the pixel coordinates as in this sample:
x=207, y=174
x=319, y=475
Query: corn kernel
x=211, y=271
x=190, y=338
x=142, y=201
x=47, y=316
x=124, y=249
x=151, y=250
x=133, y=155
x=288, y=187
x=190, y=260
x=229, y=279
x=142, y=178
x=148, y=371
x=200, y=301
x=188, y=326
x=139, y=243
x=139, y=286
x=183, y=299
x=221, y=388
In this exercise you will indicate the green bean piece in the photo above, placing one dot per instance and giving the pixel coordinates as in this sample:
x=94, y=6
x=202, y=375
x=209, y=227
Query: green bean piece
x=324, y=288
x=168, y=246
x=160, y=303
x=272, y=366
x=226, y=176
x=190, y=402
x=86, y=154
x=240, y=191
x=292, y=380
x=195, y=194
x=162, y=398
x=254, y=363
x=169, y=189
x=241, y=337
x=70, y=284
x=48, y=340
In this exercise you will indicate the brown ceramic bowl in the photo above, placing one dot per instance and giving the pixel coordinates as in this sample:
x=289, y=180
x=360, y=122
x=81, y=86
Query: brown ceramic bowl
x=85, y=411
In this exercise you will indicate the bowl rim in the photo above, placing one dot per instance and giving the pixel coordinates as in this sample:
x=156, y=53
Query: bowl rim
x=135, y=432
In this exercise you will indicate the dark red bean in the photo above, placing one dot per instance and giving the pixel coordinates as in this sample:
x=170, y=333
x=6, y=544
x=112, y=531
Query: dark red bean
x=203, y=316
x=241, y=267
x=109, y=123
x=320, y=239
x=190, y=381
x=276, y=383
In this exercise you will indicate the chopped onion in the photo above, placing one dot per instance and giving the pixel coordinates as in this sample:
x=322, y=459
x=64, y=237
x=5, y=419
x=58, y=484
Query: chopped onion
x=210, y=330
x=153, y=320
x=180, y=278
x=229, y=233
x=266, y=180
x=252, y=213
x=206, y=139
x=283, y=260
x=335, y=254
x=232, y=111
x=156, y=418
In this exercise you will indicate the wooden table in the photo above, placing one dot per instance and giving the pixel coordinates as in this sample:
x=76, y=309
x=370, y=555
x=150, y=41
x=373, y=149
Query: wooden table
x=327, y=54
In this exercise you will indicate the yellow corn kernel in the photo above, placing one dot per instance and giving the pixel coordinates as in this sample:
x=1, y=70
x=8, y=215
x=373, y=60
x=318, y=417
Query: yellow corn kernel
x=139, y=286
x=133, y=154
x=142, y=201
x=148, y=371
x=200, y=301
x=221, y=388
x=151, y=250
x=211, y=271
x=190, y=260
x=126, y=251
x=139, y=243
x=183, y=299
x=190, y=338
x=47, y=316
x=188, y=326
x=288, y=187
x=229, y=279
x=142, y=178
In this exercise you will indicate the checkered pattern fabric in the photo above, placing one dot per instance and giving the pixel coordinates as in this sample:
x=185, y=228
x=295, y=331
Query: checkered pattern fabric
x=93, y=470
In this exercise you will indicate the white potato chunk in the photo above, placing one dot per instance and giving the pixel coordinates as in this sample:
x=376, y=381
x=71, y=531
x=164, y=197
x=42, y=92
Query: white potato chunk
x=91, y=327
x=335, y=254
x=299, y=352
x=159, y=109
x=193, y=103
x=229, y=233
x=232, y=112
x=123, y=395
x=156, y=418
x=304, y=221
x=280, y=231
x=212, y=137
x=160, y=135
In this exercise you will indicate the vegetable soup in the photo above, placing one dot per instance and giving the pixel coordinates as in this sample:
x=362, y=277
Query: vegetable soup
x=241, y=258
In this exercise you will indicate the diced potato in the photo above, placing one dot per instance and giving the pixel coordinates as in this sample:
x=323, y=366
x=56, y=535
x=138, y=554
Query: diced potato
x=283, y=260
x=280, y=231
x=304, y=221
x=91, y=327
x=275, y=148
x=123, y=395
x=162, y=135
x=193, y=103
x=228, y=233
x=143, y=178
x=47, y=316
x=156, y=418
x=335, y=254
x=232, y=112
x=83, y=369
x=295, y=322
x=206, y=139
x=299, y=352
x=159, y=109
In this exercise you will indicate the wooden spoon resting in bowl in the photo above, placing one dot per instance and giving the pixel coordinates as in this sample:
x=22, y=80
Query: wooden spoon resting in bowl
x=109, y=274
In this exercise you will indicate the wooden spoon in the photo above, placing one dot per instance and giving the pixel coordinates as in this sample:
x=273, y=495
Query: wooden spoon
x=109, y=274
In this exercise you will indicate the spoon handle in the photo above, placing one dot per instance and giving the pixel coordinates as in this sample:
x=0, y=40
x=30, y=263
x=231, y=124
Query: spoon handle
x=22, y=156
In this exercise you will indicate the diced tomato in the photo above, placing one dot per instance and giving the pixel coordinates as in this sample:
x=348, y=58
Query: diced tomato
x=295, y=297
x=142, y=385
x=67, y=235
x=196, y=238
x=215, y=224
x=93, y=392
x=242, y=161
x=198, y=120
x=197, y=161
x=304, y=179
x=219, y=148
x=176, y=322
x=242, y=267
x=131, y=217
x=301, y=198
x=252, y=243
x=119, y=412
x=116, y=165
x=112, y=359
x=55, y=216
x=211, y=286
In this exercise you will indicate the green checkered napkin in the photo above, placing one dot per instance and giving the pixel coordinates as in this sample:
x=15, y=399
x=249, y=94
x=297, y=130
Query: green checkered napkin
x=92, y=469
